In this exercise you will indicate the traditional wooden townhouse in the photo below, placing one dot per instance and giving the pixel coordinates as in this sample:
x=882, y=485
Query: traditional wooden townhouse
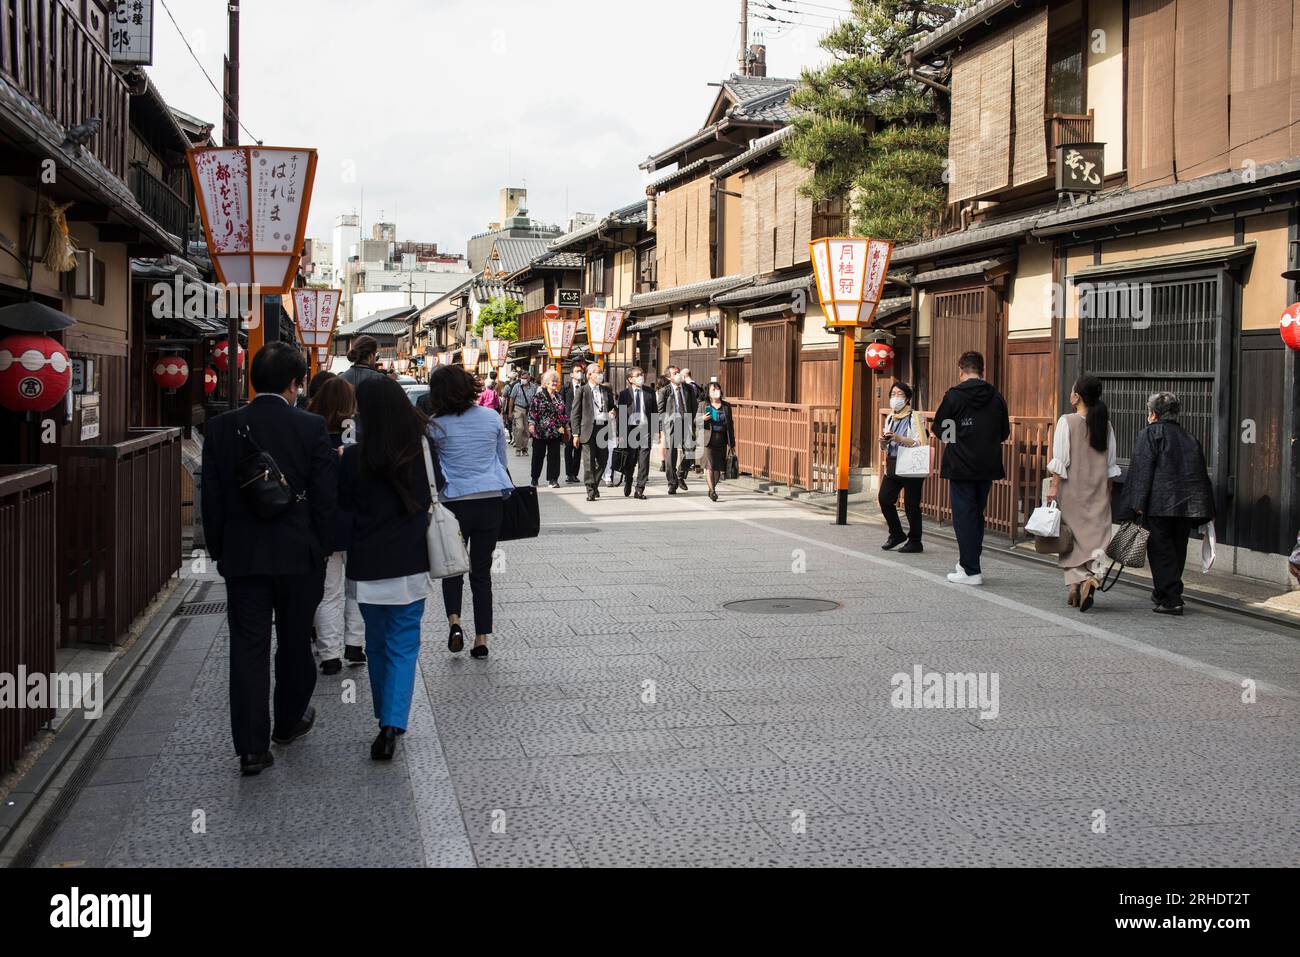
x=1123, y=201
x=539, y=282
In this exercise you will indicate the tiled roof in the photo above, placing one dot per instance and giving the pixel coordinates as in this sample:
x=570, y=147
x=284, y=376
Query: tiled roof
x=985, y=234
x=485, y=290
x=764, y=290
x=512, y=254
x=558, y=259
x=757, y=149
x=953, y=30
x=633, y=214
x=649, y=323
x=957, y=272
x=702, y=324
x=677, y=175
x=693, y=292
x=758, y=100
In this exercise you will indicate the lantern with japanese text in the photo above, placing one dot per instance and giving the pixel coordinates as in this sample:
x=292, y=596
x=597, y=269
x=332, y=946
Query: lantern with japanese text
x=469, y=358
x=315, y=313
x=35, y=373
x=446, y=358
x=171, y=372
x=880, y=356
x=209, y=381
x=603, y=327
x=559, y=334
x=1290, y=327
x=498, y=352
x=221, y=355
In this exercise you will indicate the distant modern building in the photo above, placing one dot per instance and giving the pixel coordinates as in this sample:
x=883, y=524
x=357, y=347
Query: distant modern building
x=514, y=223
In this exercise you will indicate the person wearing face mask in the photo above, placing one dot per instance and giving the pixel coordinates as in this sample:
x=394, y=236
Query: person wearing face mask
x=903, y=428
x=638, y=408
x=718, y=427
x=593, y=418
x=677, y=407
x=573, y=389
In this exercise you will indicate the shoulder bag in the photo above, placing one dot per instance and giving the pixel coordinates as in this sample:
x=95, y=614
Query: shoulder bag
x=264, y=488
x=448, y=557
x=1127, y=549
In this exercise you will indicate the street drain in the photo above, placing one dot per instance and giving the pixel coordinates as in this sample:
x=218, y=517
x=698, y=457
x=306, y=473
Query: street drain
x=201, y=608
x=569, y=530
x=782, y=606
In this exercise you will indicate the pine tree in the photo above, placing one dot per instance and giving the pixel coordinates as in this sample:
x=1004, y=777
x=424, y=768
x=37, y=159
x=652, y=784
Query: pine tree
x=868, y=131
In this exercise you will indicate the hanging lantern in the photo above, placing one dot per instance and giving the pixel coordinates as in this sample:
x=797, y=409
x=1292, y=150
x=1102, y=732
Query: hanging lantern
x=35, y=373
x=559, y=334
x=316, y=313
x=498, y=352
x=603, y=327
x=880, y=356
x=469, y=358
x=850, y=275
x=210, y=380
x=171, y=372
x=221, y=355
x=445, y=358
x=1290, y=327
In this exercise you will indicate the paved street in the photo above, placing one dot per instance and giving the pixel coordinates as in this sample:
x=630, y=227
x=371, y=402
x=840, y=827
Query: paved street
x=627, y=718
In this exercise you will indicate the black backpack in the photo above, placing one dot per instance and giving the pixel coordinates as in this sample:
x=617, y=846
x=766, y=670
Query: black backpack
x=266, y=491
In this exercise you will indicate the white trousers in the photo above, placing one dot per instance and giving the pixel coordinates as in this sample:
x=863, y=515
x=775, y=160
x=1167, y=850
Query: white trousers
x=337, y=615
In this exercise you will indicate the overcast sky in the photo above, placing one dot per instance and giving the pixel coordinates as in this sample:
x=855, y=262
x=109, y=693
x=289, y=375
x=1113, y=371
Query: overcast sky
x=431, y=106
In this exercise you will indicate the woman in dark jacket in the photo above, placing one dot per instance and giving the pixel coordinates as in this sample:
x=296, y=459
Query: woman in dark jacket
x=384, y=484
x=716, y=428
x=1168, y=489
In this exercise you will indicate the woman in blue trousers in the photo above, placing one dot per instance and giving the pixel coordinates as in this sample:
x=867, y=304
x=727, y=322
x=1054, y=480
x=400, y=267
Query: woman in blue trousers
x=384, y=484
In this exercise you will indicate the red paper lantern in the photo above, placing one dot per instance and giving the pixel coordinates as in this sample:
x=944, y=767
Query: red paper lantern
x=35, y=373
x=221, y=355
x=880, y=356
x=1290, y=326
x=171, y=372
x=209, y=381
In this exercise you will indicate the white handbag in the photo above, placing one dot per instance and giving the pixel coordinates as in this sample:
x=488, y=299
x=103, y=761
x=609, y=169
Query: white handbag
x=448, y=557
x=1045, y=521
x=913, y=462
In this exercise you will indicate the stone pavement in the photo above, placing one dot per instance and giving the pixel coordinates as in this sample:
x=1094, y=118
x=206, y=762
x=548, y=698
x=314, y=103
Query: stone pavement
x=626, y=717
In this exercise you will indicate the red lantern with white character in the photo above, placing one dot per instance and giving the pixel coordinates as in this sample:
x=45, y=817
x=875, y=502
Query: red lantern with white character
x=221, y=355
x=880, y=356
x=1290, y=326
x=35, y=373
x=209, y=381
x=171, y=372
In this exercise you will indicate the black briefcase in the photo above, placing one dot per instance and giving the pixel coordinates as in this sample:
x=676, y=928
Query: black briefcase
x=623, y=461
x=521, y=517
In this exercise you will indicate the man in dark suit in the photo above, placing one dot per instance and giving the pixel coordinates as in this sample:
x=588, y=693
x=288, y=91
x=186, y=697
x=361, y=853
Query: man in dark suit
x=273, y=567
x=593, y=416
x=571, y=391
x=677, y=408
x=638, y=409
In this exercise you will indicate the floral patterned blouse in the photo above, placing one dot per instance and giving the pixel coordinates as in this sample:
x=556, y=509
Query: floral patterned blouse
x=549, y=415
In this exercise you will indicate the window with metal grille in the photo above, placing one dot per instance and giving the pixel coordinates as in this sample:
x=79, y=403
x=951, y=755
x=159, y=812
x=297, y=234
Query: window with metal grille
x=1144, y=336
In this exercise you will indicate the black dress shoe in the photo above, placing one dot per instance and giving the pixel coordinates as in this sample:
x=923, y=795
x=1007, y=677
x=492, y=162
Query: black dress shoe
x=1176, y=610
x=713, y=496
x=572, y=480
x=596, y=491
x=591, y=496
x=893, y=541
x=627, y=491
x=672, y=490
x=639, y=495
x=682, y=485
x=250, y=764
x=455, y=639
x=302, y=727
x=354, y=655
x=479, y=651
x=331, y=666
x=911, y=548
x=385, y=745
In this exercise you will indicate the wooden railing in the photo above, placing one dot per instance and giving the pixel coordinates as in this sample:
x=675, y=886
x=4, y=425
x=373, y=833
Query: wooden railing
x=163, y=204
x=530, y=325
x=52, y=58
x=1066, y=128
x=1024, y=458
x=787, y=443
x=28, y=636
x=120, y=515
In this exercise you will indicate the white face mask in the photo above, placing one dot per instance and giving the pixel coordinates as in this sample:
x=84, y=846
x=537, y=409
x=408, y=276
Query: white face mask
x=597, y=379
x=677, y=379
x=897, y=402
x=636, y=383
x=715, y=396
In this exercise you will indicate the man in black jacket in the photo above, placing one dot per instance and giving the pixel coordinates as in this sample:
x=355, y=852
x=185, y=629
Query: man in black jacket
x=573, y=454
x=972, y=423
x=273, y=567
x=593, y=418
x=677, y=408
x=638, y=409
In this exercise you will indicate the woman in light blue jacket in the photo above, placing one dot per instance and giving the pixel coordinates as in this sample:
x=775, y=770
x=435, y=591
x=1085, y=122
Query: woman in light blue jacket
x=473, y=481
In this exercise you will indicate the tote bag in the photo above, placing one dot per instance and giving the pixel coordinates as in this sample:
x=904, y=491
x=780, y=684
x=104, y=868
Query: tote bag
x=1128, y=549
x=448, y=557
x=520, y=515
x=913, y=462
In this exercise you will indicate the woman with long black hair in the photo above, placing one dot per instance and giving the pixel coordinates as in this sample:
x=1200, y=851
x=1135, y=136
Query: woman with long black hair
x=1083, y=464
x=383, y=483
x=473, y=482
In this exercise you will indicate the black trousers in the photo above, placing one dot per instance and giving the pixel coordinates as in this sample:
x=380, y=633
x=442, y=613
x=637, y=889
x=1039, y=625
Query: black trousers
x=548, y=451
x=572, y=460
x=638, y=467
x=252, y=601
x=890, y=487
x=968, y=501
x=594, y=456
x=1167, y=552
x=679, y=463
x=480, y=526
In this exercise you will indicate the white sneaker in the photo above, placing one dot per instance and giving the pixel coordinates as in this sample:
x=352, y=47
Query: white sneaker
x=959, y=577
x=959, y=568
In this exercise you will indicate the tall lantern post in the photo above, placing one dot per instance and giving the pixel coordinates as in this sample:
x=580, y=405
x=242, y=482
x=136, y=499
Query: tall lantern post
x=498, y=352
x=850, y=273
x=603, y=328
x=559, y=333
x=469, y=358
x=315, y=313
x=254, y=202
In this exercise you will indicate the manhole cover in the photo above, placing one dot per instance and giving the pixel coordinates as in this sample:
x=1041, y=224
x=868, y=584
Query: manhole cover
x=201, y=608
x=782, y=606
x=569, y=530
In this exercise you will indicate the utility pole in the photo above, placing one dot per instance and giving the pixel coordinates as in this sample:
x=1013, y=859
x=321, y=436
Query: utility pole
x=744, y=37
x=230, y=137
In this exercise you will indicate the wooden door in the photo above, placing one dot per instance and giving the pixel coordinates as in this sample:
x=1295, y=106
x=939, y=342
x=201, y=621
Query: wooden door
x=773, y=361
x=964, y=320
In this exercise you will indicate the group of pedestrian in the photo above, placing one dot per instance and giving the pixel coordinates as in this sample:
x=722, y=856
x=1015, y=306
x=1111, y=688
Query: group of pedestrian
x=320, y=517
x=1167, y=490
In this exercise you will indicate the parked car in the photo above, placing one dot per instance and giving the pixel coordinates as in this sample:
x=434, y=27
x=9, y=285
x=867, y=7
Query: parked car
x=415, y=391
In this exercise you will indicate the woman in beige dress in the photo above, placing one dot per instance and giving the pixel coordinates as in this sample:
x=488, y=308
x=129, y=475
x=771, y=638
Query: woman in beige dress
x=1082, y=467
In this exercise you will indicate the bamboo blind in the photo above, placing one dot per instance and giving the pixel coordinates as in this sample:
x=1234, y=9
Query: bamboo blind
x=1029, y=43
x=1201, y=87
x=1262, y=108
x=1150, y=137
x=980, y=135
x=682, y=252
x=776, y=224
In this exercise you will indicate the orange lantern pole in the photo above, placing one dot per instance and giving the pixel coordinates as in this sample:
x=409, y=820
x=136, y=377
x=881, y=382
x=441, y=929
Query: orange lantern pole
x=850, y=274
x=559, y=334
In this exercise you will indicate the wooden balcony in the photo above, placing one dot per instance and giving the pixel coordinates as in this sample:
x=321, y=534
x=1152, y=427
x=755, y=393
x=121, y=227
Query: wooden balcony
x=163, y=205
x=49, y=55
x=1066, y=128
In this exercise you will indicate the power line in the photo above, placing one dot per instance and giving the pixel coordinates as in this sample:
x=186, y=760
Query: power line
x=225, y=102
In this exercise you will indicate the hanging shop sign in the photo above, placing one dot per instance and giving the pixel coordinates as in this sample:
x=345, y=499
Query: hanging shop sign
x=568, y=298
x=1080, y=167
x=130, y=32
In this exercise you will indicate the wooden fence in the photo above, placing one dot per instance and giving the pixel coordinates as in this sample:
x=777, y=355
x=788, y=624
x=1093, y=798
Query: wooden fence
x=1024, y=457
x=28, y=627
x=788, y=443
x=120, y=515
